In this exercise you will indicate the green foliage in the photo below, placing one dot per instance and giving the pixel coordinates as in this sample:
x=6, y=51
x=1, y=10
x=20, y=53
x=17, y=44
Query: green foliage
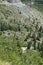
x=10, y=50
x=0, y=33
x=9, y=19
x=34, y=35
x=30, y=35
x=32, y=58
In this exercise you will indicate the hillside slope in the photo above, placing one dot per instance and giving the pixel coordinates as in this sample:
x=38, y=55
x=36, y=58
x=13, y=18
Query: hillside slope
x=21, y=38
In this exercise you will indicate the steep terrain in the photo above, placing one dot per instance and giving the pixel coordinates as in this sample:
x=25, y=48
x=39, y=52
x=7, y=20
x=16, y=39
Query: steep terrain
x=21, y=35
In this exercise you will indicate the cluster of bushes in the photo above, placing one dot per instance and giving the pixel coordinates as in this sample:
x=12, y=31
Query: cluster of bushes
x=8, y=19
x=35, y=36
x=8, y=26
x=10, y=50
